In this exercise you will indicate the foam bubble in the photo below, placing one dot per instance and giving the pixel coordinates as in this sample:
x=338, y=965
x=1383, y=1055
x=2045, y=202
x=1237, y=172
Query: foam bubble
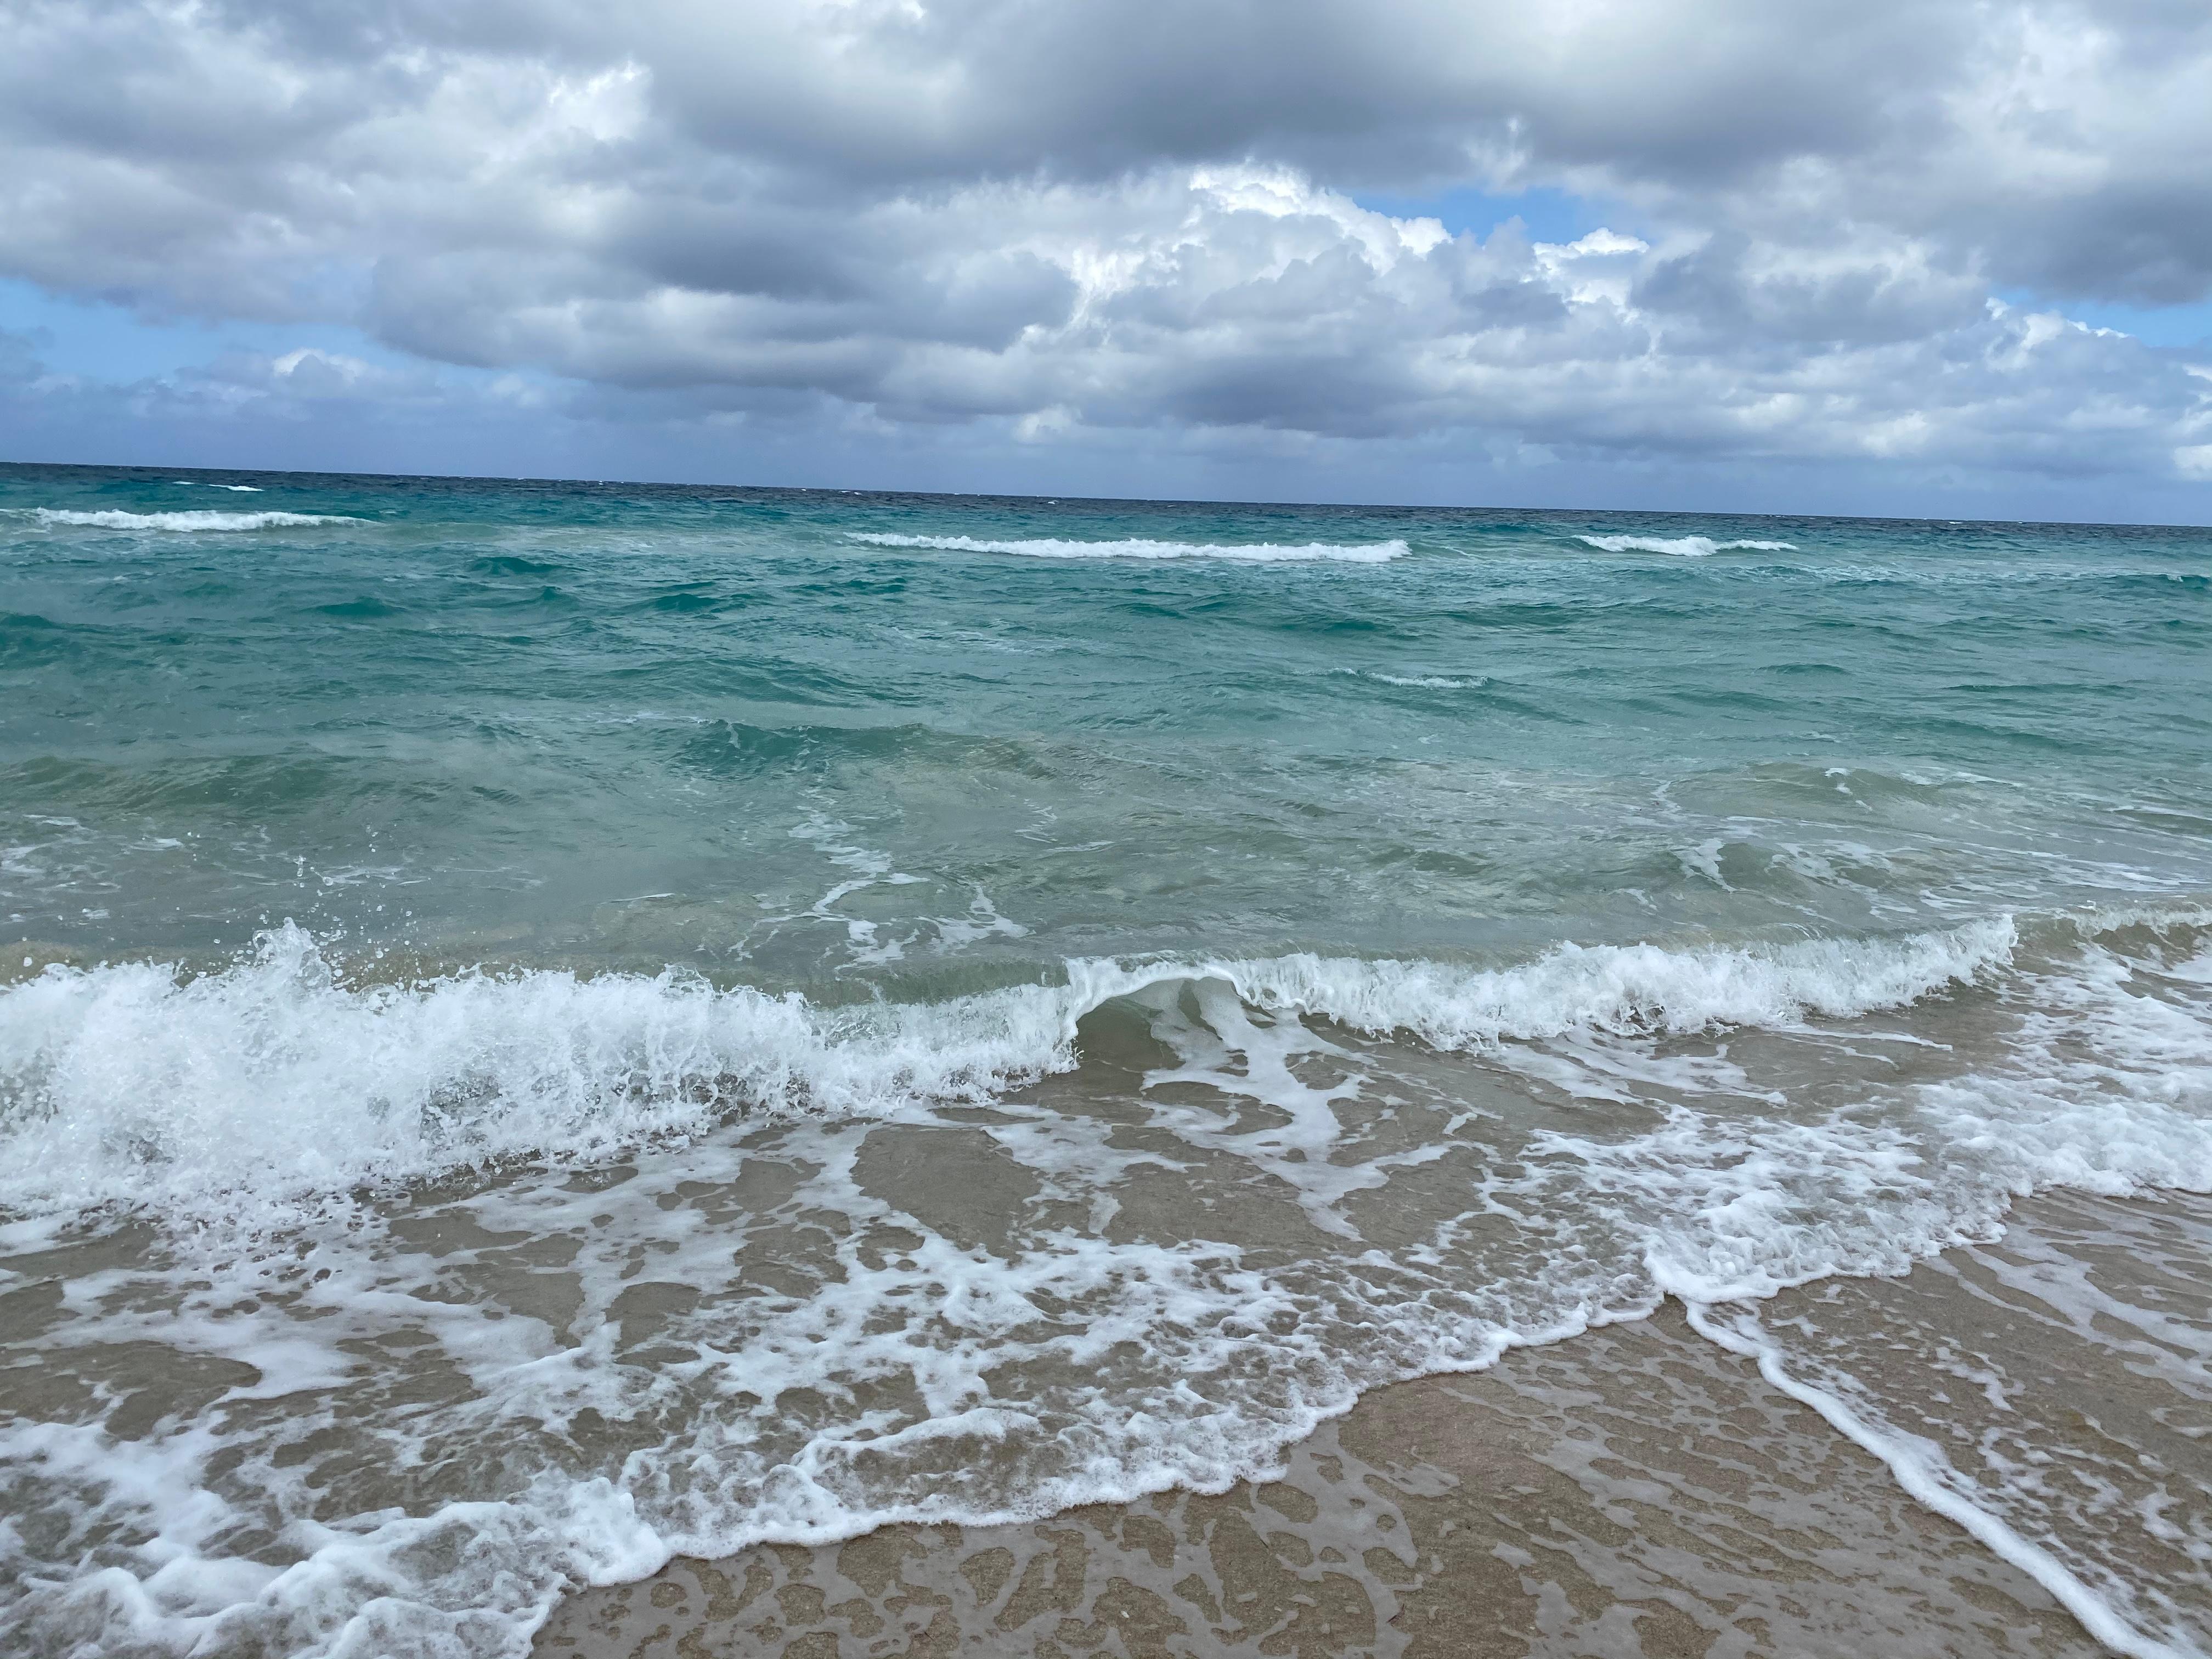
x=1138, y=548
x=1683, y=547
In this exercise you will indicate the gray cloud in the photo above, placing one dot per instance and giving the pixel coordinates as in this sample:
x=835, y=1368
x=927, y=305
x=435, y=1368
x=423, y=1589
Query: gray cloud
x=1098, y=217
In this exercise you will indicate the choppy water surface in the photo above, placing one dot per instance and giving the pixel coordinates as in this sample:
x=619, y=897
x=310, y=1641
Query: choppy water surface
x=555, y=1024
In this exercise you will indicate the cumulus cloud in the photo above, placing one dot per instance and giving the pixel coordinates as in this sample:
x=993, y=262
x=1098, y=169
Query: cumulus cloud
x=1119, y=216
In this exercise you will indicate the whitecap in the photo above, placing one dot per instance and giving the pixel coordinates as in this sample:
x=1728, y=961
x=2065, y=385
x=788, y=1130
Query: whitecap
x=195, y=520
x=1429, y=682
x=1140, y=548
x=1415, y=681
x=1682, y=547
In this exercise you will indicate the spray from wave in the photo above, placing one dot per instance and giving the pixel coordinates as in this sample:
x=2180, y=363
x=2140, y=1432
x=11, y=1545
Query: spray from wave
x=1138, y=548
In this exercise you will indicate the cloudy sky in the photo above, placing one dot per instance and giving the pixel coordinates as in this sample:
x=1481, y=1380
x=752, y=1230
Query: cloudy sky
x=1900, y=256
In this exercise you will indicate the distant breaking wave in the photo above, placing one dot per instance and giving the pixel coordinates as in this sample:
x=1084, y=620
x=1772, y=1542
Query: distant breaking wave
x=1136, y=548
x=200, y=519
x=1682, y=547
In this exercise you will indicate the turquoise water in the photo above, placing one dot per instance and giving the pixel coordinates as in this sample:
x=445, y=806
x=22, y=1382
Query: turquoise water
x=609, y=724
x=544, y=1024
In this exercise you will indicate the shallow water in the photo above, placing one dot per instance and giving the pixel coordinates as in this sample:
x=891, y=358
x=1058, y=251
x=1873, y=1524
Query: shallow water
x=559, y=1026
x=1635, y=1490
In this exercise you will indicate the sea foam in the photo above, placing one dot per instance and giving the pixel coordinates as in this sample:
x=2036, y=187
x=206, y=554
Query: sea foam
x=1138, y=548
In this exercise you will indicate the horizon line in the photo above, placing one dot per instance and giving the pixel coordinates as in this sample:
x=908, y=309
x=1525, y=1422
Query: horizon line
x=1122, y=500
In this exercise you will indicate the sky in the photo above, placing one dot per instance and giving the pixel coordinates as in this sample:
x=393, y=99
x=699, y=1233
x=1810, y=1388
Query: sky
x=1949, y=258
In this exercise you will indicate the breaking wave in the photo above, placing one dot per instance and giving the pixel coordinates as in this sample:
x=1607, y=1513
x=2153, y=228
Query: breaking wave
x=194, y=520
x=131, y=1084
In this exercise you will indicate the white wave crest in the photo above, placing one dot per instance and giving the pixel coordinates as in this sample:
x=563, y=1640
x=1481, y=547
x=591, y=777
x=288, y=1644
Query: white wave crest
x=273, y=1080
x=197, y=518
x=1683, y=547
x=1627, y=988
x=1138, y=548
x=130, y=1083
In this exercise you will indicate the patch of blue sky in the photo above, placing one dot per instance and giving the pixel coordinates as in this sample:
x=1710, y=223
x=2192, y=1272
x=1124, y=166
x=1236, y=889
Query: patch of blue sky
x=2189, y=327
x=95, y=340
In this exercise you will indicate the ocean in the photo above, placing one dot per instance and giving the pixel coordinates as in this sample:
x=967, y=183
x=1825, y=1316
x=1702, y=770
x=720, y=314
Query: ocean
x=550, y=1027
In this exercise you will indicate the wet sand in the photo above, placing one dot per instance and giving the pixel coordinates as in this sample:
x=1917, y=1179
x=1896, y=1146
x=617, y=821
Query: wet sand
x=1636, y=1490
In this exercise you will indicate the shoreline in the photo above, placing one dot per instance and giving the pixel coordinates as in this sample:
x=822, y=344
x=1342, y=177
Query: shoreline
x=1637, y=1489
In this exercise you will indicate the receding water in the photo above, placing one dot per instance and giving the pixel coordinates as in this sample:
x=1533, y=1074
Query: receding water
x=555, y=1024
